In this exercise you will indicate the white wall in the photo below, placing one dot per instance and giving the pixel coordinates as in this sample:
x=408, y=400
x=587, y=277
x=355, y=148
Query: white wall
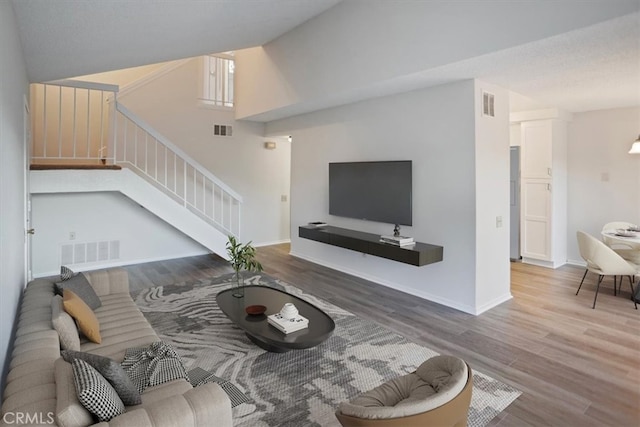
x=104, y=216
x=436, y=129
x=598, y=145
x=261, y=176
x=363, y=44
x=13, y=88
x=492, y=161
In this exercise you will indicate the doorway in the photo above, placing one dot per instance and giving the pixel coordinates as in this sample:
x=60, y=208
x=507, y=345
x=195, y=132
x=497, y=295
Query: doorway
x=26, y=149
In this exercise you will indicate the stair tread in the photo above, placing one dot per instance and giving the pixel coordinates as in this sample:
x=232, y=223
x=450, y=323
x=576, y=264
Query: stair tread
x=71, y=166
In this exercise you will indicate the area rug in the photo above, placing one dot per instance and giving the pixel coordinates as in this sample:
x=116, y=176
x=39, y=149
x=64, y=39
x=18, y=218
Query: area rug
x=300, y=387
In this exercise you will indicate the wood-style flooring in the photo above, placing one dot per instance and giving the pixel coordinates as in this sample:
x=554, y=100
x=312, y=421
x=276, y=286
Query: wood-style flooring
x=575, y=366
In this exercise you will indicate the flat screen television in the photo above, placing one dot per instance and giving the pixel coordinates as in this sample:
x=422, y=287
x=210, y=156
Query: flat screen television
x=374, y=191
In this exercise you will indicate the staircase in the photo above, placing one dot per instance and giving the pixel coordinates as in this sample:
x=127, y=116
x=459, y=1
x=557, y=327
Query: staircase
x=85, y=141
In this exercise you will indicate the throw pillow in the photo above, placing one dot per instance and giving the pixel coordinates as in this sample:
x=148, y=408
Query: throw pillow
x=85, y=317
x=112, y=371
x=150, y=366
x=64, y=325
x=81, y=287
x=66, y=273
x=94, y=392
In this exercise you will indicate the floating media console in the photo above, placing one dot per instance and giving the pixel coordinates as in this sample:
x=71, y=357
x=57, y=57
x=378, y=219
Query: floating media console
x=419, y=254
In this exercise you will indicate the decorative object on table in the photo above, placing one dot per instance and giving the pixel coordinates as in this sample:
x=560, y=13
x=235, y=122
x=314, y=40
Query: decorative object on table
x=288, y=311
x=281, y=395
x=288, y=320
x=255, y=310
x=198, y=377
x=242, y=257
x=625, y=233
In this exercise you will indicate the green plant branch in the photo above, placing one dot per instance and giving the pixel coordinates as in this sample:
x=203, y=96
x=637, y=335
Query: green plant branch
x=242, y=257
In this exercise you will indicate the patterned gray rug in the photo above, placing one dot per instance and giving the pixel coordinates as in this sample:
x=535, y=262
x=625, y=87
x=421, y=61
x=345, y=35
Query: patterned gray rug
x=300, y=387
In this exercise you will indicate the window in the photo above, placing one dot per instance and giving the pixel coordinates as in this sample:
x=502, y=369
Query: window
x=218, y=80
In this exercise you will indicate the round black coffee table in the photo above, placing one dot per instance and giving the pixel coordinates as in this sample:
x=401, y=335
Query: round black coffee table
x=264, y=335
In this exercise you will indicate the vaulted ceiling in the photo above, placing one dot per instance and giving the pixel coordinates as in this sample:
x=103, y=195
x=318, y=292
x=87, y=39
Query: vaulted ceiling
x=67, y=38
x=594, y=67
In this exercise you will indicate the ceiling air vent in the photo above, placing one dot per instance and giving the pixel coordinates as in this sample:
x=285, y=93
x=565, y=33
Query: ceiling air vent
x=222, y=130
x=488, y=104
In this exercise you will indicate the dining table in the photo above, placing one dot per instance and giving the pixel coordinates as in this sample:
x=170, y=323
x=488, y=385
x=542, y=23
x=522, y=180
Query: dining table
x=625, y=242
x=626, y=237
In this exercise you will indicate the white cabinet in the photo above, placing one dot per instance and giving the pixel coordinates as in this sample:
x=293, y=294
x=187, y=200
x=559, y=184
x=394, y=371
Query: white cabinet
x=544, y=192
x=537, y=149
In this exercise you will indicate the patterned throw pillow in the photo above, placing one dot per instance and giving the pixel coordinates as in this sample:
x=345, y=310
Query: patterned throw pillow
x=81, y=287
x=112, y=371
x=150, y=366
x=66, y=273
x=94, y=392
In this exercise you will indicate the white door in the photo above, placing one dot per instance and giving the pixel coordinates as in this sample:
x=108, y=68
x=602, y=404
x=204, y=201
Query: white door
x=27, y=190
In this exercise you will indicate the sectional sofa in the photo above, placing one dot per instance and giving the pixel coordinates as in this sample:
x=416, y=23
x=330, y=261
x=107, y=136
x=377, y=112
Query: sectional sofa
x=40, y=384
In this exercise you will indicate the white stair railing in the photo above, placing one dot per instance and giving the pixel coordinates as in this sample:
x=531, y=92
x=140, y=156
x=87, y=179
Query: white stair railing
x=70, y=120
x=149, y=154
x=82, y=122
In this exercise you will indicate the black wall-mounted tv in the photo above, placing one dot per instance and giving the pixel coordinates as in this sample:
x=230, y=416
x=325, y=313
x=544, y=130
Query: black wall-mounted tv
x=374, y=191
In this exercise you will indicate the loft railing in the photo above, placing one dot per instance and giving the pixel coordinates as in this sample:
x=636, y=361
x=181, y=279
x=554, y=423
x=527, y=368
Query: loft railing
x=217, y=87
x=82, y=122
x=70, y=122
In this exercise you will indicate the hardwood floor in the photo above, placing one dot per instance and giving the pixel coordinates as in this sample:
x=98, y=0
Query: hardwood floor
x=575, y=366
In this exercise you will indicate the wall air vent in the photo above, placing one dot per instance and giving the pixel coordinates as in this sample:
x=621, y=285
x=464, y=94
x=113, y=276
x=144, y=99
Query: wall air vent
x=488, y=100
x=90, y=252
x=222, y=130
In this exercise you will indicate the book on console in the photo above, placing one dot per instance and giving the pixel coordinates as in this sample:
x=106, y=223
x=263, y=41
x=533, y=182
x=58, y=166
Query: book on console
x=398, y=240
x=400, y=245
x=288, y=325
x=318, y=224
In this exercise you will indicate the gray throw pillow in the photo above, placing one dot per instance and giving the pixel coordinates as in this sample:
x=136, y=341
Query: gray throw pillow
x=111, y=371
x=80, y=286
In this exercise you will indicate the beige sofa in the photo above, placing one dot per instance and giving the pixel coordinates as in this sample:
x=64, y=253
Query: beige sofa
x=40, y=389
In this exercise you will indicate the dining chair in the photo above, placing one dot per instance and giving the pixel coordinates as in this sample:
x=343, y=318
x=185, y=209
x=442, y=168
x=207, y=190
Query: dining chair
x=604, y=261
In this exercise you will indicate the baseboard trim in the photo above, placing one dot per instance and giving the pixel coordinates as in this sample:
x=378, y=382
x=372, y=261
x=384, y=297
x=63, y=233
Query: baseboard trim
x=95, y=266
x=424, y=295
x=542, y=263
x=493, y=303
x=275, y=242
